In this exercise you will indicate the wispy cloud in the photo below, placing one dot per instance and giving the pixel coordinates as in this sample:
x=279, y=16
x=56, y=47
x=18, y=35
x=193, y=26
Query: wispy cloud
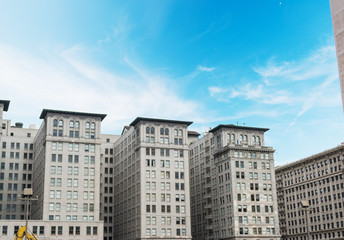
x=257, y=93
x=205, y=69
x=67, y=81
x=120, y=31
x=202, y=34
x=286, y=83
x=321, y=62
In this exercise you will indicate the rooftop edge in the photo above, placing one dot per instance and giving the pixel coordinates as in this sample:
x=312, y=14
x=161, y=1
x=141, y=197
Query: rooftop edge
x=46, y=111
x=6, y=104
x=237, y=127
x=138, y=119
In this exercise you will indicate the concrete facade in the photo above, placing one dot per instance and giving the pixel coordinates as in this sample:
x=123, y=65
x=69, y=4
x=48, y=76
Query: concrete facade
x=233, y=193
x=337, y=12
x=61, y=163
x=156, y=180
x=318, y=180
x=46, y=230
x=151, y=181
x=129, y=186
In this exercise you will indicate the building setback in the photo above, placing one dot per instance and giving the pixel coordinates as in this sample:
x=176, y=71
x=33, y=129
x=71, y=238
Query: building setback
x=318, y=180
x=232, y=182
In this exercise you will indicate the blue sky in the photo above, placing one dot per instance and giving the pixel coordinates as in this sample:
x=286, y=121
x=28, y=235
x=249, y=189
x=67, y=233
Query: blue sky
x=263, y=63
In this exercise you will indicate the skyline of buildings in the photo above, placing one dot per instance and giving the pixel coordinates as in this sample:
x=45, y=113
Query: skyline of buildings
x=160, y=180
x=92, y=185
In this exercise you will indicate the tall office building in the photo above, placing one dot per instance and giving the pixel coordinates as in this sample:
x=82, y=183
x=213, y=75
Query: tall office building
x=337, y=12
x=16, y=165
x=151, y=177
x=232, y=182
x=318, y=181
x=61, y=163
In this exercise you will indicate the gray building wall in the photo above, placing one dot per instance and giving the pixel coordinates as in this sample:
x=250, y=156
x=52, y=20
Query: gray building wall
x=337, y=12
x=317, y=179
x=234, y=172
x=151, y=181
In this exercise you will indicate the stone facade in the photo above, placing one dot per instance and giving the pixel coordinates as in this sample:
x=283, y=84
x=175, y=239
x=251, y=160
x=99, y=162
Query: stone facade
x=318, y=180
x=337, y=12
x=233, y=193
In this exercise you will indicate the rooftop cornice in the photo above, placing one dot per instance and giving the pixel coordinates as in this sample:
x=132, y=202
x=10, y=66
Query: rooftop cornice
x=6, y=104
x=138, y=119
x=237, y=127
x=46, y=111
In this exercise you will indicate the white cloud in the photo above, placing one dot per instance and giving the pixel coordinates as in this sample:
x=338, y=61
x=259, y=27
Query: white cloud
x=215, y=90
x=299, y=85
x=67, y=81
x=205, y=69
x=257, y=93
x=321, y=62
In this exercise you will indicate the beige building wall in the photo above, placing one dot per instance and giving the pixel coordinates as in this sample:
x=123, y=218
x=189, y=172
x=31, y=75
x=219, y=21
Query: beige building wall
x=337, y=12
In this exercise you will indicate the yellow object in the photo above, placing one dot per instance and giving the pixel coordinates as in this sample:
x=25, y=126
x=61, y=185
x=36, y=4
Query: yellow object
x=21, y=234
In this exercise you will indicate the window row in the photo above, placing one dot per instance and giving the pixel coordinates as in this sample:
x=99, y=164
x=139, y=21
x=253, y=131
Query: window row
x=74, y=124
x=165, y=232
x=15, y=166
x=14, y=145
x=256, y=220
x=243, y=197
x=73, y=147
x=165, y=208
x=16, y=155
x=165, y=163
x=177, y=132
x=255, y=231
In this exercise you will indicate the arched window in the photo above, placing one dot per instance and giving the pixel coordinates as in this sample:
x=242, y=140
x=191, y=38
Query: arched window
x=76, y=125
x=87, y=125
x=55, y=123
x=60, y=123
x=166, y=131
x=147, y=130
x=232, y=138
x=93, y=126
x=253, y=139
x=71, y=124
x=241, y=138
x=175, y=132
x=245, y=138
x=152, y=130
x=161, y=131
x=180, y=133
x=258, y=140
